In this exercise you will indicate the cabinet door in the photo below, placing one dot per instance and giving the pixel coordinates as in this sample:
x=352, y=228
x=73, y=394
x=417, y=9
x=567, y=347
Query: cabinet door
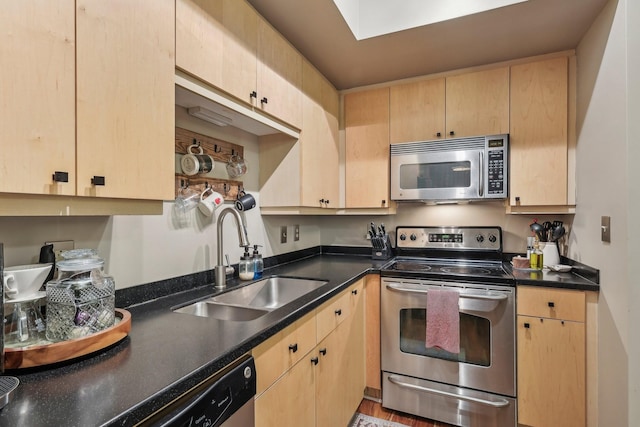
x=319, y=139
x=538, y=135
x=199, y=39
x=417, y=111
x=551, y=372
x=291, y=400
x=125, y=98
x=37, y=96
x=240, y=43
x=367, y=148
x=372, y=329
x=478, y=103
x=279, y=76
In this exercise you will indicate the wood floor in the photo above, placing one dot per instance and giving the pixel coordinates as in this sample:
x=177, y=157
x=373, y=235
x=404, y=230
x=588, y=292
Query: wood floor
x=375, y=409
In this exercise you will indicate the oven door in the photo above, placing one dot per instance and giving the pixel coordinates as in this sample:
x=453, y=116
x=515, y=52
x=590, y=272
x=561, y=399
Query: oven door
x=487, y=335
x=447, y=175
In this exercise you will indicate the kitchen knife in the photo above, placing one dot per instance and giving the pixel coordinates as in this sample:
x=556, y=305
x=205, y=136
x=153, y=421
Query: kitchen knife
x=384, y=231
x=373, y=229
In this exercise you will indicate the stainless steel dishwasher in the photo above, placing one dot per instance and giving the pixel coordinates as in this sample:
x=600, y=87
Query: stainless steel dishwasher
x=224, y=400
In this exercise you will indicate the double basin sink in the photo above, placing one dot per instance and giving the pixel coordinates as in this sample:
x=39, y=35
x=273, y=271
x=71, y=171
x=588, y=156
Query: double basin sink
x=253, y=300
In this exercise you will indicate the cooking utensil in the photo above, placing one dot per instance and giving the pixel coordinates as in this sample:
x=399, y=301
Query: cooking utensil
x=557, y=234
x=538, y=229
x=373, y=229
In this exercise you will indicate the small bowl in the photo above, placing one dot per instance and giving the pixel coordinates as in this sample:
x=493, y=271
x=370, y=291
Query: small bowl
x=560, y=268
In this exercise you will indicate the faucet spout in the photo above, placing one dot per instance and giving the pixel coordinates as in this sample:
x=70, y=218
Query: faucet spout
x=243, y=238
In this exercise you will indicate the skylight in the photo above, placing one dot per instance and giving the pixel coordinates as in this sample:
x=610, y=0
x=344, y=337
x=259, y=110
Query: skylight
x=372, y=18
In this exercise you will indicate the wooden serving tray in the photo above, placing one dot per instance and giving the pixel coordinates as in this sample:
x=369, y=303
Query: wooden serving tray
x=39, y=355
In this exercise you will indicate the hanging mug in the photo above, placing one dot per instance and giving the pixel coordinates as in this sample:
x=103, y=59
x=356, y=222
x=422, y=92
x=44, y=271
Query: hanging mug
x=236, y=166
x=245, y=201
x=193, y=164
x=209, y=201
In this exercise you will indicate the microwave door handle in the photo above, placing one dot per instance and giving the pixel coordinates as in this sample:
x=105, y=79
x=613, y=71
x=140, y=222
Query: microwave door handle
x=481, y=188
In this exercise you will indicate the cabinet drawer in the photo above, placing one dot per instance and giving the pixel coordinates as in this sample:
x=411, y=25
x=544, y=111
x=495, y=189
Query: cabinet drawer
x=551, y=303
x=280, y=352
x=337, y=310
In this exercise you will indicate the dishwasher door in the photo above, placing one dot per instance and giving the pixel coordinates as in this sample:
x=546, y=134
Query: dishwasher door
x=224, y=400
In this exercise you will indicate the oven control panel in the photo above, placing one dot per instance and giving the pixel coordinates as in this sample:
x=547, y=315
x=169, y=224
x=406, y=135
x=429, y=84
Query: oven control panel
x=468, y=238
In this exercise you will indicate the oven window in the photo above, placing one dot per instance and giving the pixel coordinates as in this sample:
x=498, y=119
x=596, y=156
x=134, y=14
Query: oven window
x=475, y=337
x=436, y=175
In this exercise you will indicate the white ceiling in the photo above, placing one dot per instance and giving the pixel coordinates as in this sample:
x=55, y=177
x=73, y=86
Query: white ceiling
x=318, y=30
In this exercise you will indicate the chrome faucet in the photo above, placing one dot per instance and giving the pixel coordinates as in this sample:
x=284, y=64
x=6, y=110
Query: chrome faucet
x=243, y=238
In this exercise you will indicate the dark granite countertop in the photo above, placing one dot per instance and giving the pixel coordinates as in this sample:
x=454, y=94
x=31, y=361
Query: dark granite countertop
x=165, y=354
x=168, y=353
x=581, y=277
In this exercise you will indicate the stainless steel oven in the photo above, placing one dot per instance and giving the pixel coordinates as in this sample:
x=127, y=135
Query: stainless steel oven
x=477, y=385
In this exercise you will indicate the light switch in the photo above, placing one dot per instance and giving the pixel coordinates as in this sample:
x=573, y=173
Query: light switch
x=605, y=229
x=283, y=234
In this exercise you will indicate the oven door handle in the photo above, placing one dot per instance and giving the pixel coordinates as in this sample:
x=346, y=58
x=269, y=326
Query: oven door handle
x=492, y=297
x=501, y=403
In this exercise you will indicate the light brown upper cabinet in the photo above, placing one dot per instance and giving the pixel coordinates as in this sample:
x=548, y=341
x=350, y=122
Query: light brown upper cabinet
x=304, y=172
x=366, y=116
x=96, y=118
x=279, y=76
x=319, y=141
x=478, y=103
x=230, y=46
x=125, y=99
x=37, y=124
x=417, y=111
x=470, y=104
x=538, y=134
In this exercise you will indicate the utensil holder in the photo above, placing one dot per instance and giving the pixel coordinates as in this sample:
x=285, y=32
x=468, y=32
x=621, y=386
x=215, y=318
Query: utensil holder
x=381, y=248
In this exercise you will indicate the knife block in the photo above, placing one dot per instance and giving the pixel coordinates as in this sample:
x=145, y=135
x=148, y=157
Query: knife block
x=384, y=252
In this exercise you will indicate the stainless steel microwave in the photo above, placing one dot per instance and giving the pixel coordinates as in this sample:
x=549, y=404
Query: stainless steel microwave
x=461, y=169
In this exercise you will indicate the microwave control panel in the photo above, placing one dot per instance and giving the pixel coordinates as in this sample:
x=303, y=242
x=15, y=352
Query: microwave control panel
x=496, y=167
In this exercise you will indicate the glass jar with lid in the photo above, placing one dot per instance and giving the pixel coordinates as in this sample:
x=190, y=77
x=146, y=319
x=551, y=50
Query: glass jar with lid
x=81, y=300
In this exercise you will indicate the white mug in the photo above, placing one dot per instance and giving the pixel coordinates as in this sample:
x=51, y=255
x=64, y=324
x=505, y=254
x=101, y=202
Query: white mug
x=209, y=202
x=193, y=164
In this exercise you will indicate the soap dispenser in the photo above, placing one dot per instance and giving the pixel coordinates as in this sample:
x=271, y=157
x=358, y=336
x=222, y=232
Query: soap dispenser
x=258, y=263
x=245, y=267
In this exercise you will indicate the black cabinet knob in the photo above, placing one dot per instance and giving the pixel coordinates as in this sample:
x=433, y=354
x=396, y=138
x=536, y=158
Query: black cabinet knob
x=551, y=304
x=60, y=176
x=327, y=201
x=339, y=312
x=314, y=360
x=253, y=94
x=354, y=292
x=98, y=180
x=384, y=202
x=439, y=134
x=323, y=351
x=526, y=325
x=264, y=100
x=517, y=199
x=293, y=347
x=451, y=133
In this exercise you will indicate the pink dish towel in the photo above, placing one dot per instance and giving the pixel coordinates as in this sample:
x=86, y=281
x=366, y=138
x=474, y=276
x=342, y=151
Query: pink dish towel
x=443, y=320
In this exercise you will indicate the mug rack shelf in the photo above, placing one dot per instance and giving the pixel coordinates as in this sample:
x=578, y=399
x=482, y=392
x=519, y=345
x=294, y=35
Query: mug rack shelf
x=220, y=150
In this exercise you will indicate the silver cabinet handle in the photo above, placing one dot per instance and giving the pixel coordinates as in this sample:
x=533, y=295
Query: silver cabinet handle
x=496, y=404
x=492, y=297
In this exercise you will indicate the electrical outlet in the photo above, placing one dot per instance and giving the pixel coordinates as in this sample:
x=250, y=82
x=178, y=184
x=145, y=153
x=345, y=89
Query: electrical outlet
x=61, y=245
x=283, y=234
x=296, y=233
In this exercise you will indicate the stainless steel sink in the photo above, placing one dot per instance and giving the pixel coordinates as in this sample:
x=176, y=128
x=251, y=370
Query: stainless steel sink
x=253, y=300
x=221, y=311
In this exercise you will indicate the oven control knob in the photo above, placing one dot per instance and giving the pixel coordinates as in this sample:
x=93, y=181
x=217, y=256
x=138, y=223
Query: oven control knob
x=413, y=237
x=492, y=238
x=480, y=238
x=403, y=237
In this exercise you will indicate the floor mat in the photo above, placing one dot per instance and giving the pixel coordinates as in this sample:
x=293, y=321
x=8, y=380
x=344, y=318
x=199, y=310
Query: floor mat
x=361, y=420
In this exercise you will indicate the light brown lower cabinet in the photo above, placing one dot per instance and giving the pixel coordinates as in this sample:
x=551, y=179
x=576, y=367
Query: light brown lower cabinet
x=551, y=357
x=325, y=387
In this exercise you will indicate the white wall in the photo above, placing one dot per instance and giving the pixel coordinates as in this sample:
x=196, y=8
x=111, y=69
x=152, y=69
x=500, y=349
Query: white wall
x=603, y=173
